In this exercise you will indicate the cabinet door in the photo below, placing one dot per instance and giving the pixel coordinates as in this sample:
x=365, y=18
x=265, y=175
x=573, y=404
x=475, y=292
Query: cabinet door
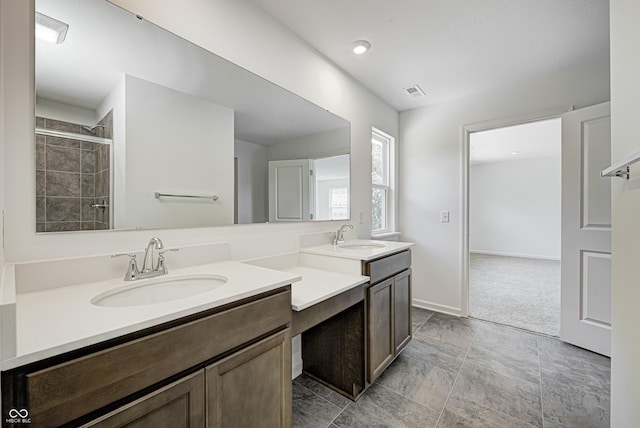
x=179, y=404
x=252, y=388
x=380, y=328
x=402, y=309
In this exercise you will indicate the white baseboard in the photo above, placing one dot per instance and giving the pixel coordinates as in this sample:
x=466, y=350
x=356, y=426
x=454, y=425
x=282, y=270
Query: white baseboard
x=436, y=307
x=524, y=256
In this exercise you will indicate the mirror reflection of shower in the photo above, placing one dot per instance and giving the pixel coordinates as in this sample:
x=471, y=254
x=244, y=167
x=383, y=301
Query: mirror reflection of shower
x=73, y=174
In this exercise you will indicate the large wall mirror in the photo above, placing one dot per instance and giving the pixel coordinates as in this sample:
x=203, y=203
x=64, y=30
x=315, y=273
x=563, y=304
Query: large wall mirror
x=138, y=128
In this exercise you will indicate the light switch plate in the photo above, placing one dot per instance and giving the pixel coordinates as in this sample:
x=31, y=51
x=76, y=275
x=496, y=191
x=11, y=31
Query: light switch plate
x=444, y=216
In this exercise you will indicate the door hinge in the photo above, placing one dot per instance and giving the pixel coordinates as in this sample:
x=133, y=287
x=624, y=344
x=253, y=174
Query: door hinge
x=310, y=172
x=311, y=216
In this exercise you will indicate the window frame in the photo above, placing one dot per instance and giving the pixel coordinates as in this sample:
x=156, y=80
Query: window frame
x=390, y=171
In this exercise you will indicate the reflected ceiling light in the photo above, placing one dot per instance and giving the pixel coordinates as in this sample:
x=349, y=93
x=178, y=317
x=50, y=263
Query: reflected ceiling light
x=50, y=30
x=360, y=46
x=515, y=153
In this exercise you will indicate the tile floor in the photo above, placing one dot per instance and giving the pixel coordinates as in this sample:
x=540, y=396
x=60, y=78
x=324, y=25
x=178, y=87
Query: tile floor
x=459, y=372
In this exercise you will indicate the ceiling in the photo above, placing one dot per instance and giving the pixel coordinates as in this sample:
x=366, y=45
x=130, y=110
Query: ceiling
x=541, y=139
x=451, y=48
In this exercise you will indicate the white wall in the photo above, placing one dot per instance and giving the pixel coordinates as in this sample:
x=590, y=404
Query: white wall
x=177, y=144
x=115, y=101
x=220, y=26
x=253, y=179
x=625, y=134
x=514, y=208
x=430, y=150
x=323, y=144
x=68, y=113
x=19, y=120
x=3, y=27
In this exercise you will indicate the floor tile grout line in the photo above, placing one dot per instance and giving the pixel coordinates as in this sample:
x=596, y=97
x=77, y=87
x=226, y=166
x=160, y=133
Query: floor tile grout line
x=540, y=377
x=473, y=340
x=338, y=415
x=422, y=324
x=320, y=396
x=417, y=328
x=477, y=337
x=513, y=327
x=403, y=396
x=455, y=380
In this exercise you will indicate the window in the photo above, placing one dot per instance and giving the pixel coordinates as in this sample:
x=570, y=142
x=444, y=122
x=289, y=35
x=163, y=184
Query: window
x=339, y=203
x=382, y=179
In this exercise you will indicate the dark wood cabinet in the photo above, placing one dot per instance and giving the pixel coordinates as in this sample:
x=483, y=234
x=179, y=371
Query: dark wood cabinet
x=334, y=350
x=179, y=404
x=252, y=388
x=140, y=377
x=402, y=310
x=348, y=341
x=381, y=348
x=388, y=310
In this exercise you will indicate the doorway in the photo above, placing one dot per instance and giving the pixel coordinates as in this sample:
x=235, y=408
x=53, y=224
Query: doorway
x=585, y=221
x=514, y=225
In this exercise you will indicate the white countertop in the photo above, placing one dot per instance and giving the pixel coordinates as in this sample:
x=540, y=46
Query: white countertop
x=58, y=320
x=318, y=285
x=321, y=278
x=54, y=321
x=365, y=254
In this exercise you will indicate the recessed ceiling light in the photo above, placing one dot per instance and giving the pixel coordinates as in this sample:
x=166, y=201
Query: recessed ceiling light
x=515, y=153
x=360, y=46
x=50, y=30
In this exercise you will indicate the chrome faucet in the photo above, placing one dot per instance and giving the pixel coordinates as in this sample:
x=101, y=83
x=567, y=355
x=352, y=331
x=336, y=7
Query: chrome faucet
x=338, y=237
x=148, y=263
x=149, y=267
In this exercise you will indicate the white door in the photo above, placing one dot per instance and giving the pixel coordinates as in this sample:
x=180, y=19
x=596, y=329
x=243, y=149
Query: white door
x=289, y=190
x=586, y=229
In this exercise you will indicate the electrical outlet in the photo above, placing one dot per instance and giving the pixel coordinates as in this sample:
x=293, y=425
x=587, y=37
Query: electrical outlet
x=444, y=216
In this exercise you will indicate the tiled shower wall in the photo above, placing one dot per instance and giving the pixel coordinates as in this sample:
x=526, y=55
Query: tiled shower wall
x=71, y=175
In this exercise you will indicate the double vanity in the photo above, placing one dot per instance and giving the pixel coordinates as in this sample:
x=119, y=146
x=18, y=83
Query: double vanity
x=208, y=344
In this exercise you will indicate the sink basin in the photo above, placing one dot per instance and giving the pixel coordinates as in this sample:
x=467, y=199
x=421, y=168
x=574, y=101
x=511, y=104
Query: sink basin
x=359, y=245
x=158, y=290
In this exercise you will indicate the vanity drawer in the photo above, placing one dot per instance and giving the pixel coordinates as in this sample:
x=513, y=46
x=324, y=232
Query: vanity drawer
x=64, y=392
x=387, y=266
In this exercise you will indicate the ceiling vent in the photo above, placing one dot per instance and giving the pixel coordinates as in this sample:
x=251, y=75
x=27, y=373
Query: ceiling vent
x=414, y=91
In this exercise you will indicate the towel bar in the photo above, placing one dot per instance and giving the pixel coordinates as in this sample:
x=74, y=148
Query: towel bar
x=160, y=195
x=621, y=168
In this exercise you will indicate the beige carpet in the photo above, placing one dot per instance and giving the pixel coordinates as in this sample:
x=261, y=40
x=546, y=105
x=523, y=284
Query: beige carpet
x=514, y=291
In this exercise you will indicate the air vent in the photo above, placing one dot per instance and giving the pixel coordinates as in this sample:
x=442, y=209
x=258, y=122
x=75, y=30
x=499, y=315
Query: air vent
x=414, y=91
